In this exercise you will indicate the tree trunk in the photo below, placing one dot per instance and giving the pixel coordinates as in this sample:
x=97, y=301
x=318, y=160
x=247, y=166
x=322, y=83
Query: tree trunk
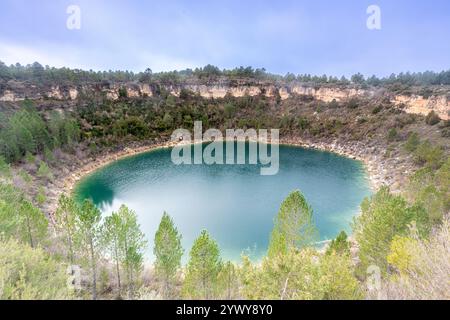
x=71, y=255
x=131, y=289
x=166, y=286
x=117, y=266
x=283, y=293
x=127, y=264
x=94, y=271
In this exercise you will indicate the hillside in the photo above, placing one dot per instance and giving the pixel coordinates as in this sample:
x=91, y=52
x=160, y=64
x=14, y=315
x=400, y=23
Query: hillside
x=56, y=130
x=436, y=99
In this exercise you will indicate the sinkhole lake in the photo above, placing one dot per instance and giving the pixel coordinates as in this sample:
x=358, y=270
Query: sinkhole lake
x=234, y=203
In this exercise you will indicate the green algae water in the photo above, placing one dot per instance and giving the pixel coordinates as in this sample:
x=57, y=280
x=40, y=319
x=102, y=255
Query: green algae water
x=234, y=203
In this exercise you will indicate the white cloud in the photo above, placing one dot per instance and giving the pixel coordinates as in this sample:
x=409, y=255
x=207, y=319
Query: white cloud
x=57, y=57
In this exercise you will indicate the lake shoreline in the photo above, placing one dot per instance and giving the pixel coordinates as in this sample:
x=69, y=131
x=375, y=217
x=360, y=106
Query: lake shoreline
x=372, y=166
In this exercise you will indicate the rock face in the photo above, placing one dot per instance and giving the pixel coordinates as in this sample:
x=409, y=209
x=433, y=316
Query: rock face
x=56, y=93
x=411, y=104
x=9, y=96
x=420, y=105
x=330, y=94
x=73, y=94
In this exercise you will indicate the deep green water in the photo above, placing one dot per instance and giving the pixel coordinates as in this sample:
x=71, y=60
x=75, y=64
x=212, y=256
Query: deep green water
x=233, y=202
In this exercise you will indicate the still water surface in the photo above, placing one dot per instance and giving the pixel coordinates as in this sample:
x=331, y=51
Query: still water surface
x=234, y=203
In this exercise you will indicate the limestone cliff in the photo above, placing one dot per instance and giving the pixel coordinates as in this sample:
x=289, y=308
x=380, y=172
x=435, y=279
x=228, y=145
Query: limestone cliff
x=411, y=104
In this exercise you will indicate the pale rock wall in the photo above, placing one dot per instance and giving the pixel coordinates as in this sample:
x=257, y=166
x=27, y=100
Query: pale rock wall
x=411, y=104
x=209, y=92
x=133, y=93
x=73, y=93
x=329, y=94
x=9, y=96
x=284, y=93
x=270, y=91
x=419, y=105
x=146, y=90
x=112, y=95
x=55, y=93
x=217, y=91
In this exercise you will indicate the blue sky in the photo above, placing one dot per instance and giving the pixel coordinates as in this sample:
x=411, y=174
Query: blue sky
x=314, y=37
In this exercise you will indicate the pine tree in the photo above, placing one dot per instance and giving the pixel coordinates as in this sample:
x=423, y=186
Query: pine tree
x=112, y=229
x=294, y=225
x=134, y=261
x=44, y=171
x=132, y=244
x=65, y=222
x=303, y=274
x=340, y=245
x=20, y=219
x=33, y=226
x=88, y=225
x=168, y=252
x=229, y=281
x=203, y=268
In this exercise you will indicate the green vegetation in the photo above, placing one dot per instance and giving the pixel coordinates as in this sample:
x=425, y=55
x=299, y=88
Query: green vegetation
x=413, y=142
x=19, y=219
x=428, y=155
x=383, y=216
x=168, y=252
x=228, y=280
x=340, y=245
x=45, y=75
x=30, y=274
x=404, y=234
x=88, y=224
x=84, y=238
x=131, y=244
x=44, y=171
x=203, y=269
x=65, y=217
x=303, y=274
x=431, y=190
x=293, y=269
x=294, y=227
x=391, y=233
x=392, y=135
x=5, y=170
x=111, y=238
x=432, y=118
x=421, y=266
x=26, y=133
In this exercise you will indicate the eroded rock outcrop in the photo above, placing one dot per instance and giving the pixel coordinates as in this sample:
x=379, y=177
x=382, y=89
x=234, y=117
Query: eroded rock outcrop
x=419, y=105
x=411, y=104
x=9, y=96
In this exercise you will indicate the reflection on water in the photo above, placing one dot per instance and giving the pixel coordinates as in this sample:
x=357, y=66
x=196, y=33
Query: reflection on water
x=233, y=202
x=102, y=195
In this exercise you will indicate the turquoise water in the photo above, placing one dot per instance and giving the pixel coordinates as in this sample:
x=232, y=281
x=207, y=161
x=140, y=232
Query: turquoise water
x=234, y=203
